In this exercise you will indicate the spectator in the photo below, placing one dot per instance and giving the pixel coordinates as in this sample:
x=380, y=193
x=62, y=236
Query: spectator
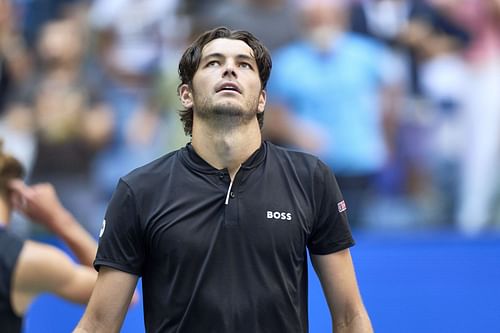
x=14, y=60
x=28, y=267
x=15, y=68
x=328, y=97
x=72, y=123
x=427, y=42
x=132, y=37
x=479, y=175
x=36, y=14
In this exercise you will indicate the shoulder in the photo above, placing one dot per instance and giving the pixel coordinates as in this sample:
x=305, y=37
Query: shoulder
x=10, y=243
x=149, y=173
x=36, y=254
x=301, y=162
x=7, y=238
x=150, y=182
x=285, y=152
x=40, y=265
x=307, y=167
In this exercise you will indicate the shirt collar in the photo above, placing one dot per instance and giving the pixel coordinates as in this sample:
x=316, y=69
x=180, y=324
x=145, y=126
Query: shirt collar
x=194, y=161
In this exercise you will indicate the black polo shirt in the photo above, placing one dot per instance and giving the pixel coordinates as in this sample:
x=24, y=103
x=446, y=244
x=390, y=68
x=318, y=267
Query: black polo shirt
x=217, y=256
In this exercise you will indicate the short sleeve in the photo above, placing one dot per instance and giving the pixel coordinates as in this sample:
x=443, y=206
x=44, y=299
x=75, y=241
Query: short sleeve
x=330, y=232
x=121, y=240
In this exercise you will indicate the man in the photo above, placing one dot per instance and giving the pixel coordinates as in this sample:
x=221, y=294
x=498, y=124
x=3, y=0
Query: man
x=29, y=268
x=218, y=230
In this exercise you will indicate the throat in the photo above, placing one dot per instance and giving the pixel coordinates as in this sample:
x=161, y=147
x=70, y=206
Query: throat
x=226, y=150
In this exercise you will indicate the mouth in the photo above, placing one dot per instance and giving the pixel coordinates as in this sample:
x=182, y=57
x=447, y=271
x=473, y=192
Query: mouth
x=228, y=87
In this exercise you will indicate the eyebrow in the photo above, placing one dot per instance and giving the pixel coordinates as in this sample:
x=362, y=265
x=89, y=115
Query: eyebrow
x=220, y=55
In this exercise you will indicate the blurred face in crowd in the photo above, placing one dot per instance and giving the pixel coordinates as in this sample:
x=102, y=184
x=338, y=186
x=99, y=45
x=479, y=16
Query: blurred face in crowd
x=5, y=14
x=323, y=20
x=58, y=110
x=226, y=88
x=60, y=43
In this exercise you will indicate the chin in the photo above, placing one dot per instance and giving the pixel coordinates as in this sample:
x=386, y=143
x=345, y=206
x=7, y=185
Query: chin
x=228, y=109
x=225, y=110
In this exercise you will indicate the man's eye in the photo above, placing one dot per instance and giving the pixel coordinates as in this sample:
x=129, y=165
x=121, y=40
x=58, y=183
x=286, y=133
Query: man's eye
x=245, y=65
x=213, y=63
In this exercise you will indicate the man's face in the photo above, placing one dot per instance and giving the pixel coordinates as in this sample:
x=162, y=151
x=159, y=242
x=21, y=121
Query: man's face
x=226, y=85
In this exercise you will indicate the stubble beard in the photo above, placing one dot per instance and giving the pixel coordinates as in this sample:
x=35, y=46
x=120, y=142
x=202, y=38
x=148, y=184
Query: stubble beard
x=225, y=115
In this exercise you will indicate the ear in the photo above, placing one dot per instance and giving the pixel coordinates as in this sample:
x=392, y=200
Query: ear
x=186, y=96
x=262, y=101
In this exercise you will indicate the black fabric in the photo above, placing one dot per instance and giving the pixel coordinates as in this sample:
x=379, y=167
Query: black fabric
x=10, y=247
x=5, y=83
x=208, y=266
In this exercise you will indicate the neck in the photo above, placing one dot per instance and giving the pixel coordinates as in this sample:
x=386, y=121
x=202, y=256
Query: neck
x=224, y=148
x=4, y=213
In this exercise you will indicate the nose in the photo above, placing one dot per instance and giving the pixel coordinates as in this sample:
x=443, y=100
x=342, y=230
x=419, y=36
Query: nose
x=229, y=70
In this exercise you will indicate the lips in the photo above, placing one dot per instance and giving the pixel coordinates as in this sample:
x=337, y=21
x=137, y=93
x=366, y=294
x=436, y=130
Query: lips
x=228, y=86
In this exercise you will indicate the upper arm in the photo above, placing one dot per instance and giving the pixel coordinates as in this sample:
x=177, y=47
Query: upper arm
x=337, y=277
x=45, y=268
x=109, y=302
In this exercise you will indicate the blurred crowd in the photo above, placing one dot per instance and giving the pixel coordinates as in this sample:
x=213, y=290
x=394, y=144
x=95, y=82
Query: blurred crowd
x=400, y=97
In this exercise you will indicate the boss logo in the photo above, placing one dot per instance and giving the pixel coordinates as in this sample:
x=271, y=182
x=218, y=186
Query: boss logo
x=279, y=215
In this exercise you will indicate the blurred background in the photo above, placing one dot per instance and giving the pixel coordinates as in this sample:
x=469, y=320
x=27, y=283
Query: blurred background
x=401, y=98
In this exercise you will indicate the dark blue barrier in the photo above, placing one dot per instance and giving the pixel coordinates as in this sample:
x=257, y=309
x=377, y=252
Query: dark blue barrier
x=411, y=282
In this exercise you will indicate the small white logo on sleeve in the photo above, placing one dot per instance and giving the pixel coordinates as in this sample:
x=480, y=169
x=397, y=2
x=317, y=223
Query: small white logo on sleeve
x=342, y=206
x=279, y=215
x=102, y=228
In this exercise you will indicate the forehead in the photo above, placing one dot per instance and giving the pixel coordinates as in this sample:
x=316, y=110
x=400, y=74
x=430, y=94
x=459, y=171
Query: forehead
x=227, y=47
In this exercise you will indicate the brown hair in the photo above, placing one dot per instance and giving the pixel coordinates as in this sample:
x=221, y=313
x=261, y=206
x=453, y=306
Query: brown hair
x=10, y=168
x=190, y=61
